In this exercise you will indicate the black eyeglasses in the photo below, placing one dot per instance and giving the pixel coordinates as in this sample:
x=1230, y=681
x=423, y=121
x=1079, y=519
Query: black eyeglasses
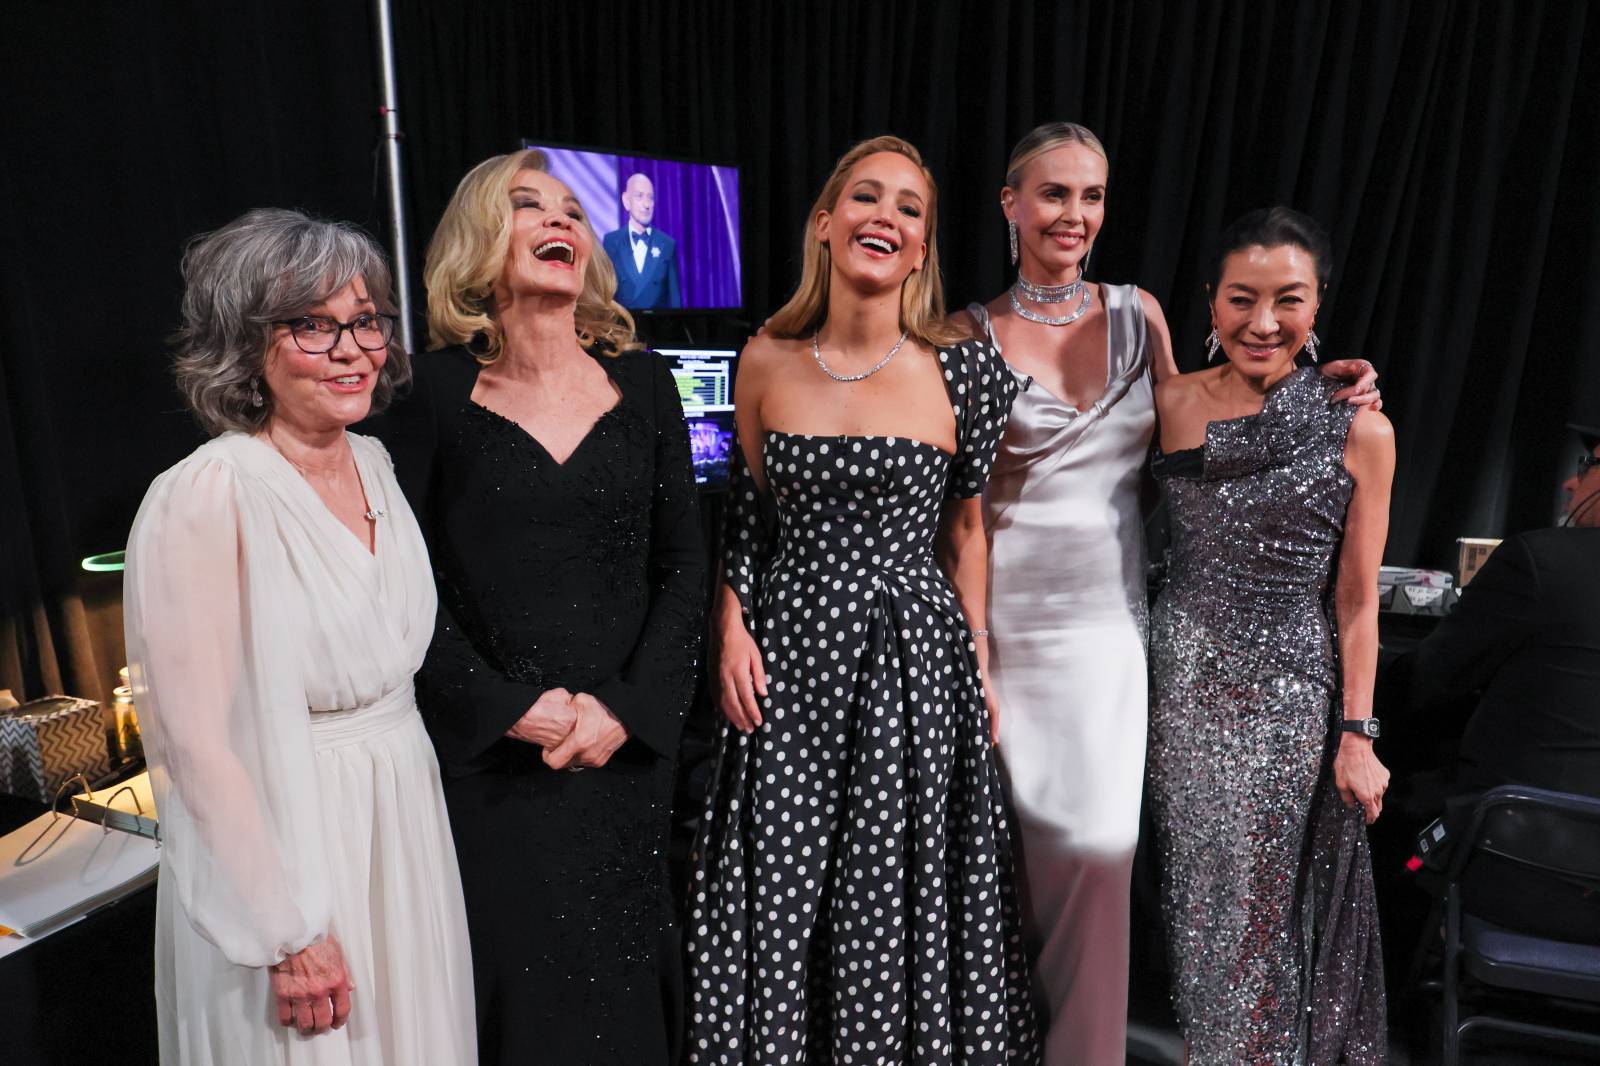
x=316, y=334
x=1587, y=462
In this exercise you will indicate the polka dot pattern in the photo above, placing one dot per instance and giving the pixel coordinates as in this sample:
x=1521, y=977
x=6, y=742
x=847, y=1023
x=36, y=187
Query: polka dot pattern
x=853, y=898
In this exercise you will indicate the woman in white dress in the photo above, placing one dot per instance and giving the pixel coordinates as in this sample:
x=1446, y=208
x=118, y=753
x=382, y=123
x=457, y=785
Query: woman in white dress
x=278, y=599
x=1067, y=600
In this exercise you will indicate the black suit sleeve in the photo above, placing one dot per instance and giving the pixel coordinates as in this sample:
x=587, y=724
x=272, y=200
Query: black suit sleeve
x=651, y=695
x=1497, y=612
x=467, y=702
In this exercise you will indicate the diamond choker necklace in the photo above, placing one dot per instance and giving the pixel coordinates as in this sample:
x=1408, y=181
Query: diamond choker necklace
x=1050, y=294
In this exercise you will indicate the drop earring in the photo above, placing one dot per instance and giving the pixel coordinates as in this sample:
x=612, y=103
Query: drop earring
x=1083, y=264
x=1011, y=226
x=1213, y=342
x=256, y=399
x=1312, y=340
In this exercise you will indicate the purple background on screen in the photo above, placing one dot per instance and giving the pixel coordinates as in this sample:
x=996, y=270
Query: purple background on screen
x=696, y=204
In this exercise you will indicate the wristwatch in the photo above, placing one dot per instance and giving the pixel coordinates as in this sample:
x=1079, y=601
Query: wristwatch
x=1367, y=727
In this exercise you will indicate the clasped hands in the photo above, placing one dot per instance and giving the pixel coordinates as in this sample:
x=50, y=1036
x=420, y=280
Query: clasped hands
x=575, y=730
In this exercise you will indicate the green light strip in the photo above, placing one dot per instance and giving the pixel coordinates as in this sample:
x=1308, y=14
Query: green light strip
x=105, y=562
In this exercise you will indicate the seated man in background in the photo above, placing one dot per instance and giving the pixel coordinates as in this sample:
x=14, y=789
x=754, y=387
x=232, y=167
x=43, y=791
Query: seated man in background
x=1526, y=635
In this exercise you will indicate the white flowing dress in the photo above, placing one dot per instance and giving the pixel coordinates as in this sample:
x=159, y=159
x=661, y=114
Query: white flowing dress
x=299, y=797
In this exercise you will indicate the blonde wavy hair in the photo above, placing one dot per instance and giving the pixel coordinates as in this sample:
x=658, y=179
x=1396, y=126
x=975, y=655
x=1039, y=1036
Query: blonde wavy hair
x=921, y=295
x=1048, y=138
x=468, y=252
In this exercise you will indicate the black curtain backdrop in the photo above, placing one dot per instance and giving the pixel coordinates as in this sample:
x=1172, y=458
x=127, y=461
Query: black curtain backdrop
x=1452, y=149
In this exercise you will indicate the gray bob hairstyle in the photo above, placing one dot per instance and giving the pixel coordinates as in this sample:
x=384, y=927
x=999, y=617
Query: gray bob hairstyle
x=265, y=266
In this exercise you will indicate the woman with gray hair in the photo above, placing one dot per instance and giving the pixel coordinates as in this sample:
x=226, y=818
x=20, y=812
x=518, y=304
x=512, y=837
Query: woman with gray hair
x=278, y=599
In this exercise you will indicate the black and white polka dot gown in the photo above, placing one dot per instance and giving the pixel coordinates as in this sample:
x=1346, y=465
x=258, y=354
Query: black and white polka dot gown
x=853, y=898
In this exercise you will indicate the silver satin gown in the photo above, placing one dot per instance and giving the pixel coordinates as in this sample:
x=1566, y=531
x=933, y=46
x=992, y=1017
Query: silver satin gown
x=1266, y=877
x=1067, y=660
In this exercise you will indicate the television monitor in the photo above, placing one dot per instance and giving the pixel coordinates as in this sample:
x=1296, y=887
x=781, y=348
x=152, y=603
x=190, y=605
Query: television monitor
x=704, y=377
x=705, y=386
x=670, y=227
x=711, y=439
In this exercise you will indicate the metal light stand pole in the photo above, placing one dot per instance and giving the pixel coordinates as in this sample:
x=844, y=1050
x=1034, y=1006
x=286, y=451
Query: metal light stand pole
x=390, y=110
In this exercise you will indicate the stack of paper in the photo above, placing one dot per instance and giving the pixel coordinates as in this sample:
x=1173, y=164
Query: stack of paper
x=58, y=868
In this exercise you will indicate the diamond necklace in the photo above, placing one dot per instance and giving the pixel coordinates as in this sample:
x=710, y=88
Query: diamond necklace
x=816, y=353
x=1050, y=294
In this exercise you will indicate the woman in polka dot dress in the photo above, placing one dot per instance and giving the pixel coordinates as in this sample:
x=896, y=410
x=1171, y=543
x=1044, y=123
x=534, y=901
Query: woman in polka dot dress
x=853, y=899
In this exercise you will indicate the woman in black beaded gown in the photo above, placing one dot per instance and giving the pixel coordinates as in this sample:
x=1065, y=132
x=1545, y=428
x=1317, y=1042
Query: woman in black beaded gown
x=548, y=462
x=1263, y=647
x=853, y=898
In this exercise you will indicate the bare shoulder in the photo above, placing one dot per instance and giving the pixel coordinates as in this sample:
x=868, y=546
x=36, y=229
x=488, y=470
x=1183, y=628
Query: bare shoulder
x=1180, y=391
x=1152, y=307
x=763, y=354
x=1371, y=434
x=1369, y=449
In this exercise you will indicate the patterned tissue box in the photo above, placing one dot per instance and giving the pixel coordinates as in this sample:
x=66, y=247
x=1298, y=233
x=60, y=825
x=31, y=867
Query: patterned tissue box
x=45, y=741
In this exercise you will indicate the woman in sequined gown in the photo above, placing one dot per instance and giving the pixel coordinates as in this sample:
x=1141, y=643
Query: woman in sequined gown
x=852, y=898
x=548, y=461
x=1264, y=638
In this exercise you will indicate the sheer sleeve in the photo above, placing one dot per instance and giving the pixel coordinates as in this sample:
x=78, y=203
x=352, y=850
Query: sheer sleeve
x=981, y=390
x=652, y=693
x=215, y=660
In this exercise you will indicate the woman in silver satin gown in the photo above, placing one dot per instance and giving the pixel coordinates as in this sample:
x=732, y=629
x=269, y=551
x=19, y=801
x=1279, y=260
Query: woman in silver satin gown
x=1067, y=600
x=1267, y=626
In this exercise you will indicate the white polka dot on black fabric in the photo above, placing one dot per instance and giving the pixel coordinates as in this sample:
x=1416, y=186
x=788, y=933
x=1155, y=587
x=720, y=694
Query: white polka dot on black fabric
x=853, y=899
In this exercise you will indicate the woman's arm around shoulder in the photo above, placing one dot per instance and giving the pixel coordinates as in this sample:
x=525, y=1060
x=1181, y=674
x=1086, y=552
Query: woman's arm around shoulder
x=1158, y=338
x=1181, y=413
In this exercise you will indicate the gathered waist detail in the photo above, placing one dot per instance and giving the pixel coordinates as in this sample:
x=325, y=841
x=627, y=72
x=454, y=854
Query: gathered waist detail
x=394, y=708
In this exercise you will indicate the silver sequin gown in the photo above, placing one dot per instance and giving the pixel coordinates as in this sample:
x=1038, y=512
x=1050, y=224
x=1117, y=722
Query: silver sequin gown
x=1267, y=881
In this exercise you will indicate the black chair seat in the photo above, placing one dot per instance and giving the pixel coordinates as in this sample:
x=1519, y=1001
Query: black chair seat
x=1507, y=959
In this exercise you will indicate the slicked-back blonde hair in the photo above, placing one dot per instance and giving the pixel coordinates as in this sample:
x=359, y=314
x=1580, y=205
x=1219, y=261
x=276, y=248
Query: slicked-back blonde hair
x=468, y=253
x=921, y=294
x=1048, y=138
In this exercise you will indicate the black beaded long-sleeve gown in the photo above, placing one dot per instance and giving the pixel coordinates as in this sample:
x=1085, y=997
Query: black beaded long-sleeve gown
x=853, y=900
x=586, y=575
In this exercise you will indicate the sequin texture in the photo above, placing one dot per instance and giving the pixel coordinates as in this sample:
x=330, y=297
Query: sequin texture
x=1266, y=881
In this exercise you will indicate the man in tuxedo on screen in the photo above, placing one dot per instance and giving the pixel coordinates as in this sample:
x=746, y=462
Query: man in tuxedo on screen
x=646, y=259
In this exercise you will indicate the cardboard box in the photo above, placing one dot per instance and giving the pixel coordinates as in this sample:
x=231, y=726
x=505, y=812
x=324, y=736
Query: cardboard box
x=1471, y=554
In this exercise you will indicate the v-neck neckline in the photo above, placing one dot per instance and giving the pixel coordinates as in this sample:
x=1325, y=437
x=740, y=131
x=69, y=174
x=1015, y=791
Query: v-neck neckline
x=1105, y=389
x=588, y=434
x=322, y=505
x=559, y=464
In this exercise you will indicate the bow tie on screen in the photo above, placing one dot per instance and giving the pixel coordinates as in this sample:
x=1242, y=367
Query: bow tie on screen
x=639, y=238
